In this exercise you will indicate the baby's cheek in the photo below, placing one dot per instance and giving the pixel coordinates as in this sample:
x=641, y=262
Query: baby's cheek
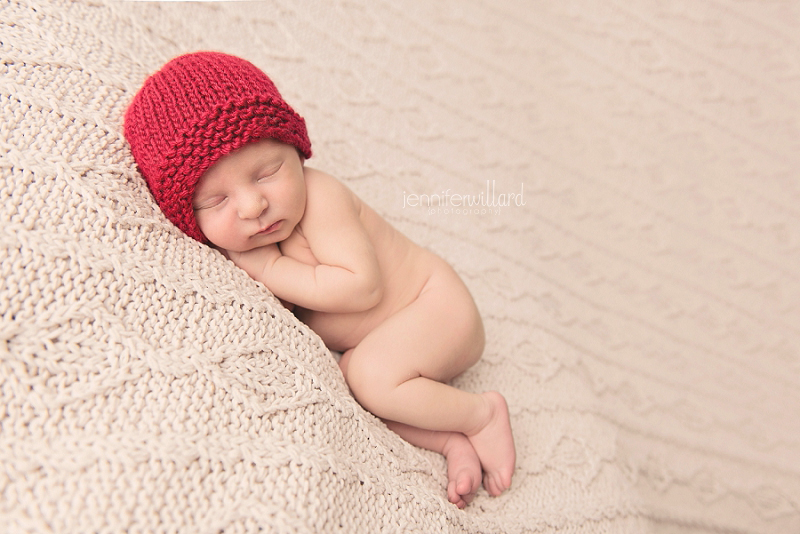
x=202, y=223
x=214, y=228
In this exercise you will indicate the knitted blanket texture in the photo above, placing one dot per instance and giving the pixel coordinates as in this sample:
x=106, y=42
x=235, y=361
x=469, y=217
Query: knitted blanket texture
x=616, y=182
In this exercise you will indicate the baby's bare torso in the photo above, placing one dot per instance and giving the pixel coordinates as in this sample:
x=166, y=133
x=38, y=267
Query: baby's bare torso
x=405, y=270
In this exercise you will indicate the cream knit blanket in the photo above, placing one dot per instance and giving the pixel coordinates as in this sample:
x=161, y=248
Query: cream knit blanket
x=634, y=247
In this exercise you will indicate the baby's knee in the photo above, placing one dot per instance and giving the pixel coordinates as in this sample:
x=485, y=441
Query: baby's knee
x=365, y=382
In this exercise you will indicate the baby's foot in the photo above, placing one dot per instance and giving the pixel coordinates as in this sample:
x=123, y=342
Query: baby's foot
x=463, y=469
x=494, y=445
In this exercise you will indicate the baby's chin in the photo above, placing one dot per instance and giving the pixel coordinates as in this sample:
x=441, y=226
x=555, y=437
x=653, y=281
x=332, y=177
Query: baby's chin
x=226, y=251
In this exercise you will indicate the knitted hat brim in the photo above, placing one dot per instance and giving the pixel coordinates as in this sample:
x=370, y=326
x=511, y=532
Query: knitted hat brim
x=204, y=142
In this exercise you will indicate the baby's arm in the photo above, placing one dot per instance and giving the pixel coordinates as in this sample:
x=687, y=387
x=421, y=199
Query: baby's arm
x=347, y=278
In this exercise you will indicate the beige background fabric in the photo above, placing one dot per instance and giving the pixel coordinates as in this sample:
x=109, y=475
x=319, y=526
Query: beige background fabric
x=635, y=254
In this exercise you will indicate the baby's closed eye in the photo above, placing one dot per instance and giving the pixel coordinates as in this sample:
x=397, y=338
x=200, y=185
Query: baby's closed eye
x=207, y=203
x=270, y=173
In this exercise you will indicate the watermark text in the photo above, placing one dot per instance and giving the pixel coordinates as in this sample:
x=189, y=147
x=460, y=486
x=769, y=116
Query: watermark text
x=489, y=201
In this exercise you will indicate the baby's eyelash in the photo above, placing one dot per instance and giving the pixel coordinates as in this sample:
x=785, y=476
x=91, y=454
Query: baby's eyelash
x=210, y=203
x=271, y=173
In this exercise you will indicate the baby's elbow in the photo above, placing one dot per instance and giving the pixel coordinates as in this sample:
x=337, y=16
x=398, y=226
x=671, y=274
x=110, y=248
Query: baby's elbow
x=372, y=292
x=362, y=291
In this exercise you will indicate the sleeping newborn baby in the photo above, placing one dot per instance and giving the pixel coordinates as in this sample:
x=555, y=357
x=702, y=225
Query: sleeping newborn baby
x=224, y=156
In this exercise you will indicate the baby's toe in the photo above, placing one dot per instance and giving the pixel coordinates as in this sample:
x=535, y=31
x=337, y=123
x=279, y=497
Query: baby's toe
x=467, y=484
x=493, y=484
x=453, y=496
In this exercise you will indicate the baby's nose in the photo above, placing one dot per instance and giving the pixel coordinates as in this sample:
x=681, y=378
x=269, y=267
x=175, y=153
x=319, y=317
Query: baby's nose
x=252, y=206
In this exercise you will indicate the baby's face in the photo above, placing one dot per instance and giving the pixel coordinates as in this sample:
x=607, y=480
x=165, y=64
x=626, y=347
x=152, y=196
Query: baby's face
x=252, y=197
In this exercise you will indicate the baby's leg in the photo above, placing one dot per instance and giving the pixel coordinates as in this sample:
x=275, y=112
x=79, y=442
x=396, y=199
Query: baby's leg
x=397, y=371
x=463, y=465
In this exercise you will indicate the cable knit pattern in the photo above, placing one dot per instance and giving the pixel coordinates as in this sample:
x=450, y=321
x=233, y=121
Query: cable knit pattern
x=616, y=182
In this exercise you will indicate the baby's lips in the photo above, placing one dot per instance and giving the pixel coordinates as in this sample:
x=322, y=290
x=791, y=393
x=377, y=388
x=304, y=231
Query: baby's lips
x=271, y=228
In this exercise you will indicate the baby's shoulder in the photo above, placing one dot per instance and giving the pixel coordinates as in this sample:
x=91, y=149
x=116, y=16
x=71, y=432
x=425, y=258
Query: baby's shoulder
x=316, y=178
x=324, y=189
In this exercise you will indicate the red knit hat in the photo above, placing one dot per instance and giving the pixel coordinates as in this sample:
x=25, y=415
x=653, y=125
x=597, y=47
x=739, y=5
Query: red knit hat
x=196, y=109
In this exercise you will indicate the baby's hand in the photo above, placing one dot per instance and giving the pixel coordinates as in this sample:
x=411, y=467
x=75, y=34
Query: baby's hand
x=257, y=261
